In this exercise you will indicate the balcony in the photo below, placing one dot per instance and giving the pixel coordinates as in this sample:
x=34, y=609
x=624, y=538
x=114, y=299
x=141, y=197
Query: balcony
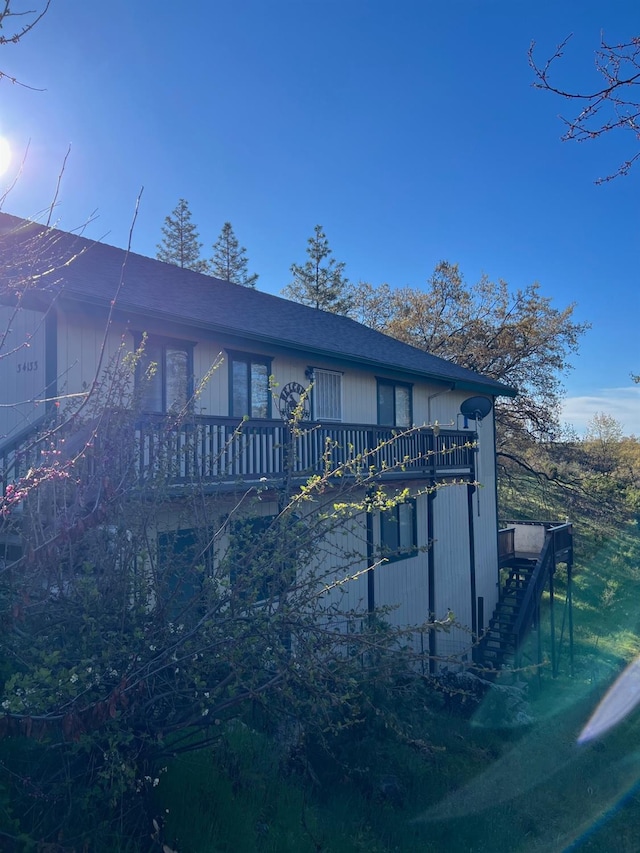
x=209, y=449
x=212, y=450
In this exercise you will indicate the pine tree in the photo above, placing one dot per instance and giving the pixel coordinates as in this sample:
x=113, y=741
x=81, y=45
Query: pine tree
x=180, y=244
x=229, y=261
x=320, y=282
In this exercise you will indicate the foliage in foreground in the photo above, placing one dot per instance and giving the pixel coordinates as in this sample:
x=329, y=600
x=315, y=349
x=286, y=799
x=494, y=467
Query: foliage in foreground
x=128, y=639
x=462, y=781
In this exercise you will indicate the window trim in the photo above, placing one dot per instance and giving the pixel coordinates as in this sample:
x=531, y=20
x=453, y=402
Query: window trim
x=164, y=343
x=249, y=358
x=393, y=384
x=408, y=551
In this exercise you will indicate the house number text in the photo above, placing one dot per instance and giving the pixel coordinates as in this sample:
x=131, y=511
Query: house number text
x=27, y=366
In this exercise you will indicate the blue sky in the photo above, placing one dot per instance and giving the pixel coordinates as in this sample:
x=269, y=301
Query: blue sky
x=408, y=129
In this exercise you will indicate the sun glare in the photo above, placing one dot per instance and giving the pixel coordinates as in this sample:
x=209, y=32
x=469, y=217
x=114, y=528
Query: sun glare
x=5, y=155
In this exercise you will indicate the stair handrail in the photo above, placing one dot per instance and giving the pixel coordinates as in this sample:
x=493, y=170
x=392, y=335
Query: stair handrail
x=545, y=564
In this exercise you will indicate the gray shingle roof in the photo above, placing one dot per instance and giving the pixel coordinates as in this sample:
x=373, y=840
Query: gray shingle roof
x=151, y=287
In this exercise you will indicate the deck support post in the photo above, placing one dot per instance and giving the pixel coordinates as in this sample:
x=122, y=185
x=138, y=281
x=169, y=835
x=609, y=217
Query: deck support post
x=539, y=642
x=552, y=621
x=371, y=586
x=570, y=599
x=472, y=569
x=431, y=575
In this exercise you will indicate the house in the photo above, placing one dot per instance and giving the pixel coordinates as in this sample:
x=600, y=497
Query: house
x=69, y=304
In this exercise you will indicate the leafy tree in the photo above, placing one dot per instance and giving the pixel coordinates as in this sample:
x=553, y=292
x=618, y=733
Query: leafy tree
x=320, y=282
x=229, y=261
x=603, y=442
x=164, y=645
x=180, y=244
x=517, y=337
x=614, y=105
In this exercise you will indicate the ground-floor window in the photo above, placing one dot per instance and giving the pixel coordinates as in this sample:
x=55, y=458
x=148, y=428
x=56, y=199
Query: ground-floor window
x=398, y=531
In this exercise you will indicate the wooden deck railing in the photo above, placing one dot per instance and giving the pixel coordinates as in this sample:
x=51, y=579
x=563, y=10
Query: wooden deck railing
x=506, y=545
x=221, y=449
x=211, y=449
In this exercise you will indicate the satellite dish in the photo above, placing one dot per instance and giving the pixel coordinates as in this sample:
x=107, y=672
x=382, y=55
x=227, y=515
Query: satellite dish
x=476, y=408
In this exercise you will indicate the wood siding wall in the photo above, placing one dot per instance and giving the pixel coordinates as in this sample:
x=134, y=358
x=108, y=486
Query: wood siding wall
x=23, y=370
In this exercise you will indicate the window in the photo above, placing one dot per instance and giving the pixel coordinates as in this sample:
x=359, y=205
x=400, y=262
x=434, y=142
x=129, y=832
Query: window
x=398, y=534
x=394, y=404
x=165, y=376
x=249, y=392
x=327, y=395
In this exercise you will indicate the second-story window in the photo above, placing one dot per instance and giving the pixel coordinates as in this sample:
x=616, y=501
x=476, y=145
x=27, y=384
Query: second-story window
x=327, y=395
x=249, y=392
x=394, y=404
x=165, y=376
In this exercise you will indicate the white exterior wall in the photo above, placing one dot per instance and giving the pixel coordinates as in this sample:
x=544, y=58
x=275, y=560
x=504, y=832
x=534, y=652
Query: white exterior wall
x=79, y=345
x=405, y=583
x=22, y=368
x=452, y=568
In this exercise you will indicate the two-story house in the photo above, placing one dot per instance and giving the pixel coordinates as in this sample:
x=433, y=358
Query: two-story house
x=69, y=303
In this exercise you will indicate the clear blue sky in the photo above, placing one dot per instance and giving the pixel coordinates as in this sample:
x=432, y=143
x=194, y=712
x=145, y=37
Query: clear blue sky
x=409, y=130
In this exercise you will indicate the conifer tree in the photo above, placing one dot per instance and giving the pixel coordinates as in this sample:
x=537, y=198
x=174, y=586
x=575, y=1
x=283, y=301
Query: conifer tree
x=320, y=282
x=229, y=261
x=180, y=244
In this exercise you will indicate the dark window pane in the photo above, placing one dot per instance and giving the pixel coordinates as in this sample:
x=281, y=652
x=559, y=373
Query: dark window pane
x=240, y=385
x=385, y=404
x=403, y=406
x=389, y=532
x=406, y=532
x=398, y=537
x=151, y=368
x=259, y=391
x=176, y=378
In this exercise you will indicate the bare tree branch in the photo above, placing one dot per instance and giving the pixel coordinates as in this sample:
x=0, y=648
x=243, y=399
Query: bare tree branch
x=17, y=33
x=613, y=106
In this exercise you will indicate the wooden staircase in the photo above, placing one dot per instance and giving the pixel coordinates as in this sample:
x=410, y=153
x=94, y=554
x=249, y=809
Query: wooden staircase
x=518, y=608
x=498, y=646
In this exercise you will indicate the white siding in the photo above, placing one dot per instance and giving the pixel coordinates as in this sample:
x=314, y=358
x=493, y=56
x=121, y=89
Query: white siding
x=404, y=584
x=81, y=361
x=452, y=567
x=22, y=368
